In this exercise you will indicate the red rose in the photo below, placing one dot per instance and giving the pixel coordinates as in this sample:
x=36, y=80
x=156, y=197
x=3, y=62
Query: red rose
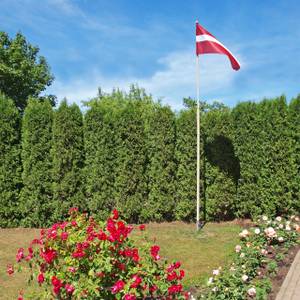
x=154, y=252
x=20, y=255
x=174, y=289
x=49, y=255
x=10, y=269
x=181, y=274
x=69, y=288
x=41, y=278
x=172, y=276
x=115, y=214
x=142, y=227
x=130, y=297
x=137, y=281
x=118, y=286
x=57, y=284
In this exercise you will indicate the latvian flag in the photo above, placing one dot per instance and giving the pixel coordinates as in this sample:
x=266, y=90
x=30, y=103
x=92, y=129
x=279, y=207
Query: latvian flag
x=207, y=43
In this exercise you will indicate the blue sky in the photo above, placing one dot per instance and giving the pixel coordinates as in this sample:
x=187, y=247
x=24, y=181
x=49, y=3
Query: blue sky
x=97, y=43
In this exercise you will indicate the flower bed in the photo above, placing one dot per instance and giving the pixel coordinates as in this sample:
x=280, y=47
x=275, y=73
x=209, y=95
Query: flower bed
x=256, y=260
x=84, y=259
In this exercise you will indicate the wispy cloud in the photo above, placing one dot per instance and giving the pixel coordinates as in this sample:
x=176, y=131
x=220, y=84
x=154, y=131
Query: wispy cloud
x=174, y=79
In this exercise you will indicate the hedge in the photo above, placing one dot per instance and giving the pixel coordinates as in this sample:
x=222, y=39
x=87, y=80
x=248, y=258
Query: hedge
x=130, y=152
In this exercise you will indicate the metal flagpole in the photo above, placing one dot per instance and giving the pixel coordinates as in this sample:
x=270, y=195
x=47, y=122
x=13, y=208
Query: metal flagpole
x=198, y=144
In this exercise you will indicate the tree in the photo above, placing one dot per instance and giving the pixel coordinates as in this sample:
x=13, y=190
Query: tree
x=160, y=148
x=10, y=163
x=221, y=164
x=101, y=142
x=294, y=132
x=23, y=73
x=131, y=182
x=36, y=194
x=67, y=159
x=186, y=159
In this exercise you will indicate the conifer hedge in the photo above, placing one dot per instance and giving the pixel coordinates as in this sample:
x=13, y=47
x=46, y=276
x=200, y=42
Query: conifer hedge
x=67, y=157
x=10, y=165
x=101, y=142
x=160, y=173
x=129, y=152
x=36, y=195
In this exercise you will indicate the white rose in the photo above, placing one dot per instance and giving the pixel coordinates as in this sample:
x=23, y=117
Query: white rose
x=265, y=218
x=245, y=277
x=251, y=292
x=216, y=272
x=288, y=228
x=257, y=231
x=242, y=255
x=244, y=233
x=270, y=232
x=278, y=219
x=264, y=252
x=210, y=280
x=280, y=226
x=238, y=248
x=280, y=239
x=297, y=219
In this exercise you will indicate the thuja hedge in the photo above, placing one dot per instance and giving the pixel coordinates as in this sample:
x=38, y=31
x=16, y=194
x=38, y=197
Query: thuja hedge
x=130, y=152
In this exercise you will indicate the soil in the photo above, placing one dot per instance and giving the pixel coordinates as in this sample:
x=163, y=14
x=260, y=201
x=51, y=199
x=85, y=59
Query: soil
x=283, y=268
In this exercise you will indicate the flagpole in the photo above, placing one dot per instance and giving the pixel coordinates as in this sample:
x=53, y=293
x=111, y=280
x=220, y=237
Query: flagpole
x=198, y=144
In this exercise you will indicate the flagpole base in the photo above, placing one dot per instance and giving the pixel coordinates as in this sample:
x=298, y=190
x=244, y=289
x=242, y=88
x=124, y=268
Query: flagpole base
x=199, y=225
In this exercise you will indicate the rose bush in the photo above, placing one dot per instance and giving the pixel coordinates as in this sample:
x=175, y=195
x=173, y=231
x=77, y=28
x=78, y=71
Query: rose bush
x=84, y=259
x=255, y=261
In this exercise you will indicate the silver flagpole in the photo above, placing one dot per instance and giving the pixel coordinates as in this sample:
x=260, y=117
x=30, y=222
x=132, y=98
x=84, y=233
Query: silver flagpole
x=198, y=144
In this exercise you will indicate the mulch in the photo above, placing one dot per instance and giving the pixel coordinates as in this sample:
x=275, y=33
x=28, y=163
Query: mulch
x=283, y=269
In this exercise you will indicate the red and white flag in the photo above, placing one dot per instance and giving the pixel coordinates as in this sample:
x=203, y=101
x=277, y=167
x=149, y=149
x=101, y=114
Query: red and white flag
x=207, y=43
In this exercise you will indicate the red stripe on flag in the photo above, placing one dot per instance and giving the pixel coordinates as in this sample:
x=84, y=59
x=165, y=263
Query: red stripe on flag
x=207, y=47
x=200, y=30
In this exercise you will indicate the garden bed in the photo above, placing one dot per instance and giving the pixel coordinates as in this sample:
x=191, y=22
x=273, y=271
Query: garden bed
x=283, y=269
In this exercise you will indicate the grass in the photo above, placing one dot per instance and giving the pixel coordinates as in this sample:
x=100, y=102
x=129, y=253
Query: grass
x=199, y=252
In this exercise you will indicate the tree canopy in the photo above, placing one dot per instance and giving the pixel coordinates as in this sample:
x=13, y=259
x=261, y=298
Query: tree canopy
x=23, y=72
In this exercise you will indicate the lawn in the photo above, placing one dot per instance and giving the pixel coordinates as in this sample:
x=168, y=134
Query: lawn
x=199, y=252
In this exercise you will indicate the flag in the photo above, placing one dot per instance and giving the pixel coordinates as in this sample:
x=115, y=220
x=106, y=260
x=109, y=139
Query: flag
x=207, y=43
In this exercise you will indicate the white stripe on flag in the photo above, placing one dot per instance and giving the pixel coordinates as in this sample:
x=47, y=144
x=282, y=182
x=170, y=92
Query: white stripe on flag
x=209, y=38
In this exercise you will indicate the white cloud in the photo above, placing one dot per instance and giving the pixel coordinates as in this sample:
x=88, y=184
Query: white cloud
x=173, y=81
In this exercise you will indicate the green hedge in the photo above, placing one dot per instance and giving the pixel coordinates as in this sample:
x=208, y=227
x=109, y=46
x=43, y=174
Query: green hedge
x=67, y=160
x=36, y=195
x=10, y=163
x=129, y=152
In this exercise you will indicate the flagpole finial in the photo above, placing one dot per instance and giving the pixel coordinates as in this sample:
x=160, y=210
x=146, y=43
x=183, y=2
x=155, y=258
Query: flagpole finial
x=196, y=22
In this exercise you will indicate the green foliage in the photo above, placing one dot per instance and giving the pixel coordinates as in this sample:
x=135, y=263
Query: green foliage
x=80, y=258
x=132, y=153
x=161, y=165
x=23, y=73
x=10, y=166
x=294, y=132
x=221, y=166
x=67, y=160
x=101, y=142
x=265, y=148
x=186, y=159
x=254, y=260
x=131, y=181
x=36, y=195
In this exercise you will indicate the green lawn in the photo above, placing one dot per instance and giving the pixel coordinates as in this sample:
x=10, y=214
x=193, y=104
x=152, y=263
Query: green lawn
x=199, y=252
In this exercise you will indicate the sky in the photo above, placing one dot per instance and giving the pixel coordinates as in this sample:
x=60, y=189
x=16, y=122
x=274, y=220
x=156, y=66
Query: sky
x=112, y=44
